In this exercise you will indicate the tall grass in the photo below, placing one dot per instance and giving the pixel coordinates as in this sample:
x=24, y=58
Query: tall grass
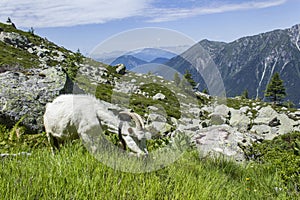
x=75, y=174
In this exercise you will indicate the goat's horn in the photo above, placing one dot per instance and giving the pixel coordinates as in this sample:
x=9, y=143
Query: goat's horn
x=139, y=123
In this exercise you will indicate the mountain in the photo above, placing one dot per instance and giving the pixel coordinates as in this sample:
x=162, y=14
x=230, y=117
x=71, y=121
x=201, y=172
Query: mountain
x=160, y=60
x=129, y=61
x=137, y=58
x=247, y=63
x=142, y=59
x=156, y=69
x=132, y=62
x=150, y=54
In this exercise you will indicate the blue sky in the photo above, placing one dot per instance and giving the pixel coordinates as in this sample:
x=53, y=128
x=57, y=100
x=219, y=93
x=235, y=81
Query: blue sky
x=84, y=24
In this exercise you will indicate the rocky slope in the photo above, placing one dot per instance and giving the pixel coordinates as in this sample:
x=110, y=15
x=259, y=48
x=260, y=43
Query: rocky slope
x=34, y=71
x=249, y=62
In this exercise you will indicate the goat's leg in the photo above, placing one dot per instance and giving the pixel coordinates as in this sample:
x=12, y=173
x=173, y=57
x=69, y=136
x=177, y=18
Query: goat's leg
x=121, y=136
x=53, y=143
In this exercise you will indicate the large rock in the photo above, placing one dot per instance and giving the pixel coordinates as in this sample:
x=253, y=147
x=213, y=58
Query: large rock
x=265, y=115
x=220, y=115
x=265, y=131
x=159, y=96
x=15, y=40
x=157, y=124
x=221, y=140
x=268, y=116
x=121, y=69
x=286, y=124
x=239, y=120
x=222, y=110
x=26, y=94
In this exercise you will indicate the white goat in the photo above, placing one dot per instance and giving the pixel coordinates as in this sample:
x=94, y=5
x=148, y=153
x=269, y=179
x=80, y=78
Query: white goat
x=71, y=116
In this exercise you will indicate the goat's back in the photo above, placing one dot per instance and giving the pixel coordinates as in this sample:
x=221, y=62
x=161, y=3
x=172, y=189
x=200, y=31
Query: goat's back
x=69, y=115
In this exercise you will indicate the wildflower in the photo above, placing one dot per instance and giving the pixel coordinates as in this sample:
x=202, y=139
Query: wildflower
x=247, y=179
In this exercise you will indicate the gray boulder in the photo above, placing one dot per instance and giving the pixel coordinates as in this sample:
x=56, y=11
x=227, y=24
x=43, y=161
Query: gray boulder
x=286, y=124
x=159, y=96
x=268, y=116
x=265, y=115
x=221, y=140
x=239, y=120
x=25, y=93
x=266, y=132
x=220, y=115
x=121, y=69
x=14, y=39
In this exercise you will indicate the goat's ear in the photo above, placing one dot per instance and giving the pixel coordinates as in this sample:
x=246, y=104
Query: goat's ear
x=139, y=122
x=130, y=131
x=124, y=116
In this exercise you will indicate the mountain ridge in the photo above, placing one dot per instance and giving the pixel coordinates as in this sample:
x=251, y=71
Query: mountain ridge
x=250, y=61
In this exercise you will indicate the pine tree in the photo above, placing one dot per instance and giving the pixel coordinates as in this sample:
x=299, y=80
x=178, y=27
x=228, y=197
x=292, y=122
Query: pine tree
x=8, y=20
x=188, y=77
x=176, y=79
x=205, y=91
x=275, y=89
x=245, y=94
x=31, y=30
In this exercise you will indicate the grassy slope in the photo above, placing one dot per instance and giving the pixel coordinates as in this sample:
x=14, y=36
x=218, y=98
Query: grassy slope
x=73, y=173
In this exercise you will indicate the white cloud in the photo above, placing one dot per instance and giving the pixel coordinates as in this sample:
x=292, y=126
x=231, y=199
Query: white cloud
x=46, y=13
x=163, y=15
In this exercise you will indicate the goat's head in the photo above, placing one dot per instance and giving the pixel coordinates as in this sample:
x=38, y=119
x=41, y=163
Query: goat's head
x=134, y=137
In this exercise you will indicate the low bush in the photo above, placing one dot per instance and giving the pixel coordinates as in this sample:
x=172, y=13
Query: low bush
x=282, y=154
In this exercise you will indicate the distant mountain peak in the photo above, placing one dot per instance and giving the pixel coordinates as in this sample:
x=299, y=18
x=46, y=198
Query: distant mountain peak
x=249, y=62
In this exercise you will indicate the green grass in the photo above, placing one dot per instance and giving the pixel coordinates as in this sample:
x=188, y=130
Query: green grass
x=10, y=56
x=282, y=154
x=73, y=173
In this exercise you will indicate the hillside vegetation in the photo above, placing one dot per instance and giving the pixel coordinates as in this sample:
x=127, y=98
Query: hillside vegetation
x=73, y=173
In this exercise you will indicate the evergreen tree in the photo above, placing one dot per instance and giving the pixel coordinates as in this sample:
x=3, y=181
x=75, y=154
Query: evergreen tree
x=31, y=30
x=188, y=77
x=176, y=79
x=184, y=84
x=275, y=89
x=205, y=91
x=245, y=94
x=8, y=20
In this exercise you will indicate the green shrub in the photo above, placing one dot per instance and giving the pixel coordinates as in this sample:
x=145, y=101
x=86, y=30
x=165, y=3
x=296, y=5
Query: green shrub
x=282, y=154
x=15, y=139
x=104, y=92
x=171, y=104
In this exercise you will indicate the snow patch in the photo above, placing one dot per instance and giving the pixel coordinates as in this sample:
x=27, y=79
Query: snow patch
x=262, y=78
x=297, y=42
x=283, y=67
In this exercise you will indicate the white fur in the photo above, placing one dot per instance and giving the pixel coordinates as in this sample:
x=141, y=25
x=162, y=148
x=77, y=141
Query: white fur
x=71, y=116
